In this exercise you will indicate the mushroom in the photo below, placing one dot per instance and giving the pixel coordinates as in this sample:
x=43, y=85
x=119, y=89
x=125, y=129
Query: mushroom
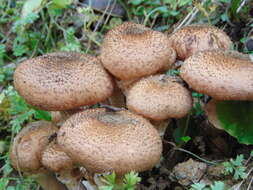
x=67, y=80
x=131, y=51
x=26, y=150
x=57, y=161
x=159, y=97
x=105, y=141
x=62, y=81
x=193, y=38
x=223, y=75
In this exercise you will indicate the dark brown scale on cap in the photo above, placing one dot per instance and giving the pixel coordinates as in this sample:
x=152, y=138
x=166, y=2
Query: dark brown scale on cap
x=191, y=39
x=223, y=75
x=28, y=145
x=103, y=141
x=62, y=81
x=159, y=97
x=132, y=51
x=54, y=159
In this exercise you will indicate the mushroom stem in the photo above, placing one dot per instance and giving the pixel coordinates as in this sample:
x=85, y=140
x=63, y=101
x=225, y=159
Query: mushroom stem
x=48, y=181
x=58, y=117
x=71, y=179
x=117, y=99
x=161, y=126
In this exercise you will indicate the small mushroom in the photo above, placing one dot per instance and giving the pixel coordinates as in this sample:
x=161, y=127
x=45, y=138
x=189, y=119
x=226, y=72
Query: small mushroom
x=62, y=81
x=104, y=141
x=57, y=161
x=25, y=153
x=159, y=97
x=223, y=75
x=193, y=38
x=131, y=51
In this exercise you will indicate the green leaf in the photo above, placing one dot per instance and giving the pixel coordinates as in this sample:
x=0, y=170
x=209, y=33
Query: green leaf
x=185, y=138
x=236, y=118
x=198, y=186
x=40, y=114
x=131, y=179
x=10, y=188
x=234, y=6
x=240, y=173
x=238, y=161
x=228, y=168
x=136, y=2
x=106, y=188
x=31, y=6
x=184, y=2
x=251, y=153
x=62, y=3
x=218, y=185
x=177, y=134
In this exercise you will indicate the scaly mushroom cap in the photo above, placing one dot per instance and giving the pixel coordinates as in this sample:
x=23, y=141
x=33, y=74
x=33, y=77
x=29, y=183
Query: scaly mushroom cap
x=159, y=97
x=28, y=145
x=211, y=113
x=62, y=81
x=191, y=39
x=132, y=51
x=223, y=75
x=54, y=159
x=103, y=141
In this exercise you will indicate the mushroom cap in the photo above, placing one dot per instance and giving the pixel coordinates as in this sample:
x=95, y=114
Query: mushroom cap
x=210, y=110
x=193, y=38
x=103, y=141
x=223, y=75
x=132, y=51
x=54, y=159
x=27, y=147
x=62, y=81
x=159, y=97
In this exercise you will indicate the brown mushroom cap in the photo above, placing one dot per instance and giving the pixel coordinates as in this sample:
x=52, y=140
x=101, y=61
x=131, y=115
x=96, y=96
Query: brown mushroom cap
x=54, y=159
x=223, y=75
x=103, y=141
x=28, y=145
x=159, y=97
x=193, y=38
x=132, y=51
x=62, y=81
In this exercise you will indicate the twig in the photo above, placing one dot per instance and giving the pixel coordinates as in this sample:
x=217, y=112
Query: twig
x=237, y=186
x=248, y=188
x=188, y=152
x=241, y=5
x=189, y=18
x=111, y=108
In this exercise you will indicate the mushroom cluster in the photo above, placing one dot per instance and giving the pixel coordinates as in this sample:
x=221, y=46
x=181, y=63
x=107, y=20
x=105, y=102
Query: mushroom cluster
x=133, y=94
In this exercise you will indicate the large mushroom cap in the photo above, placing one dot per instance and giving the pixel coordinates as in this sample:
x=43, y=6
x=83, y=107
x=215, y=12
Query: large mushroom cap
x=132, y=51
x=54, y=159
x=62, y=81
x=191, y=39
x=103, y=141
x=223, y=75
x=28, y=145
x=159, y=97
